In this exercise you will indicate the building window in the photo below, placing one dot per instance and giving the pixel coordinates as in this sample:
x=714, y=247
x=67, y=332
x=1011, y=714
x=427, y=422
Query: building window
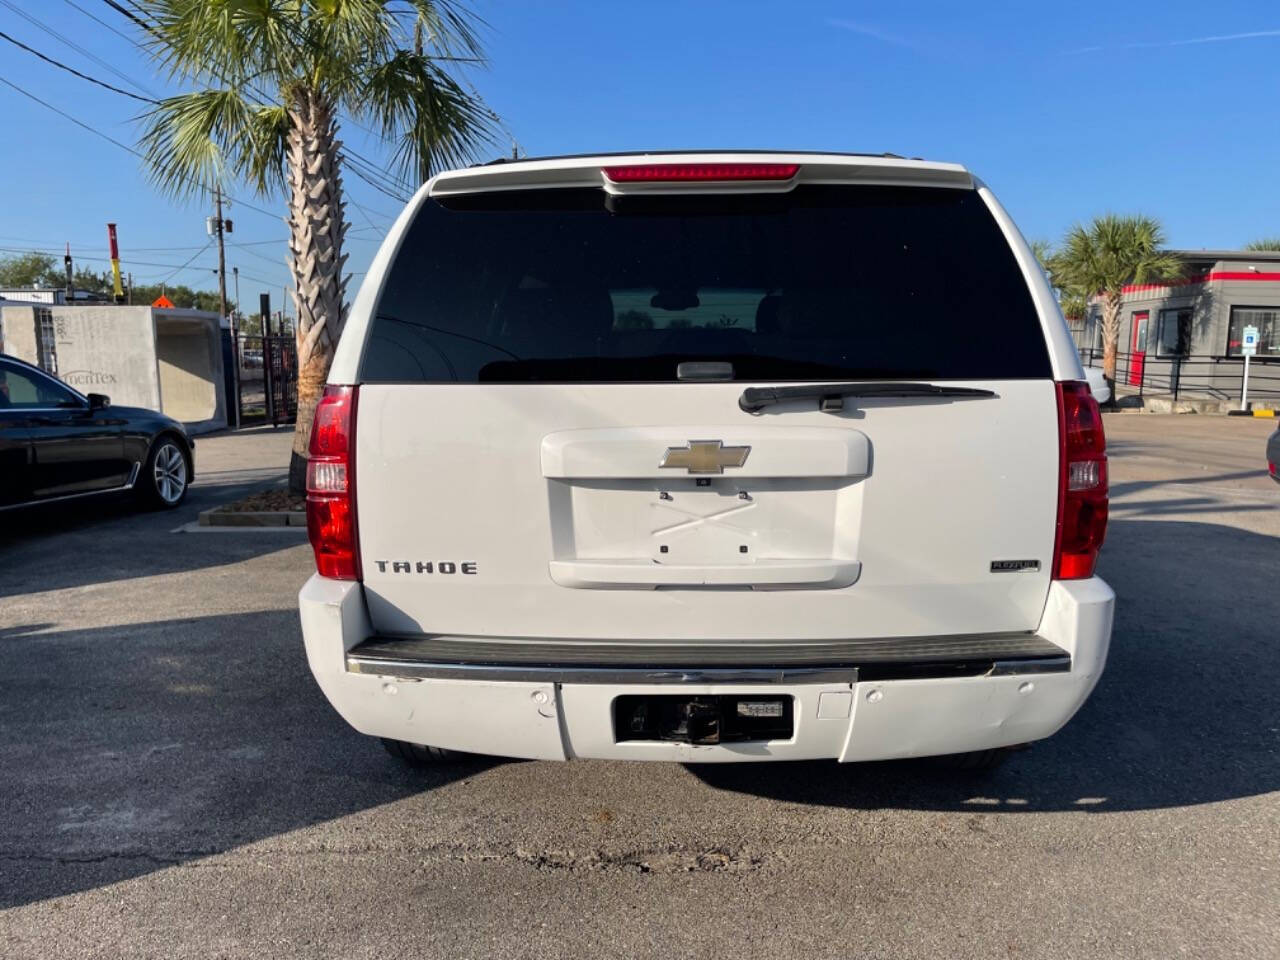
x=1266, y=319
x=1174, y=336
x=46, y=341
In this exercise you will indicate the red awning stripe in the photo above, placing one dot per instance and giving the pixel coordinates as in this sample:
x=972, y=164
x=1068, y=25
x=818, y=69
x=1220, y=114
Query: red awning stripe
x=1205, y=278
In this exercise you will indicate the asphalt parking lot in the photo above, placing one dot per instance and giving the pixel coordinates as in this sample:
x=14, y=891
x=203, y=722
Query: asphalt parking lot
x=172, y=783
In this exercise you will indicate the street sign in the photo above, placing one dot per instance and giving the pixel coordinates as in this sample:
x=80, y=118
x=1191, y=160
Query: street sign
x=1249, y=342
x=1248, y=348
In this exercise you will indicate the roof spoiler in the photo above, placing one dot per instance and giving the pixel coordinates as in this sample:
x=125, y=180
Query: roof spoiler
x=810, y=169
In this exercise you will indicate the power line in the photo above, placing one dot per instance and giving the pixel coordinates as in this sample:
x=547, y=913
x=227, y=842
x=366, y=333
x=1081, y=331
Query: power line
x=110, y=139
x=55, y=248
x=99, y=20
x=74, y=46
x=269, y=283
x=188, y=263
x=140, y=263
x=380, y=178
x=63, y=113
x=371, y=176
x=127, y=13
x=254, y=253
x=73, y=70
x=368, y=214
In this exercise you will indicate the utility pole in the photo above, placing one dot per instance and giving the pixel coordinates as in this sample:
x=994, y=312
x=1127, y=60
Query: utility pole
x=222, y=301
x=66, y=262
x=129, y=289
x=236, y=273
x=222, y=259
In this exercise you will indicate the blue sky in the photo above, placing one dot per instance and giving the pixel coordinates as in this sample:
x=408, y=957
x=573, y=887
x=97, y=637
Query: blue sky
x=1065, y=110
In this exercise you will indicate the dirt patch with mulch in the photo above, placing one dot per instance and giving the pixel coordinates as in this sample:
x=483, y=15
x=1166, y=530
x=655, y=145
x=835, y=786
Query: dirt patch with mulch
x=267, y=501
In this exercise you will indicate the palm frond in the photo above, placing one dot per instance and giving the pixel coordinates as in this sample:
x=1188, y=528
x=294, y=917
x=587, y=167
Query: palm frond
x=435, y=120
x=1113, y=251
x=258, y=58
x=1264, y=244
x=451, y=29
x=262, y=162
x=221, y=42
x=192, y=140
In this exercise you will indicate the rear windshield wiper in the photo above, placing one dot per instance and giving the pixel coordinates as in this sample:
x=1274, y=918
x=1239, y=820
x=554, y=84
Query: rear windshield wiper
x=830, y=396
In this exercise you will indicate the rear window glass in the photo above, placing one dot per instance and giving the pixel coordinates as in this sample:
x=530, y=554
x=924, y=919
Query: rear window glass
x=851, y=282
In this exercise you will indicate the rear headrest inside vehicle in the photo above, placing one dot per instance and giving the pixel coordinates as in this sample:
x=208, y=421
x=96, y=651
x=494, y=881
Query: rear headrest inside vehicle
x=768, y=320
x=551, y=321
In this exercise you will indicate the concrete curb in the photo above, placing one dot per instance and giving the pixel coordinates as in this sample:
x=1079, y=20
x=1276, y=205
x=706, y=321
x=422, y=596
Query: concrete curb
x=217, y=517
x=1160, y=404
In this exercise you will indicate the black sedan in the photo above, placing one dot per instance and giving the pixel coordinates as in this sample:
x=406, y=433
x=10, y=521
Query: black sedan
x=56, y=443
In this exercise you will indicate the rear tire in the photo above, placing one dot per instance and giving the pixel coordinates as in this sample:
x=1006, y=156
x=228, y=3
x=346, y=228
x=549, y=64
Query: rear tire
x=166, y=474
x=975, y=761
x=421, y=755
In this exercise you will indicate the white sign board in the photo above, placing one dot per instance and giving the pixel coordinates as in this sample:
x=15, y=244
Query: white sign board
x=1249, y=342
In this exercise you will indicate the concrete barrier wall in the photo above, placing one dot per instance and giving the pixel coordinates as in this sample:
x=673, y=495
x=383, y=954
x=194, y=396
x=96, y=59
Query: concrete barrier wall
x=167, y=360
x=189, y=356
x=18, y=332
x=108, y=349
x=185, y=376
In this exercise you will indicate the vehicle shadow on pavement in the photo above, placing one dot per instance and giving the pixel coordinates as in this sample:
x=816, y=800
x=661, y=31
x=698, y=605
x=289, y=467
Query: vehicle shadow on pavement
x=128, y=749
x=55, y=546
x=1190, y=482
x=124, y=750
x=1186, y=713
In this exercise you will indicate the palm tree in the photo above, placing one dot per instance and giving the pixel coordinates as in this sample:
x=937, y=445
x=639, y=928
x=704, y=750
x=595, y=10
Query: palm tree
x=1074, y=303
x=1265, y=244
x=1104, y=257
x=272, y=79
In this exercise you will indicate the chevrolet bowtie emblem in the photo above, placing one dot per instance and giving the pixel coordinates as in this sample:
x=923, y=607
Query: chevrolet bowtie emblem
x=704, y=456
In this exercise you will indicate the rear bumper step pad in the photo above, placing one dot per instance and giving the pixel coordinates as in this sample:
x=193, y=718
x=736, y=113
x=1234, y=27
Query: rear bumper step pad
x=706, y=662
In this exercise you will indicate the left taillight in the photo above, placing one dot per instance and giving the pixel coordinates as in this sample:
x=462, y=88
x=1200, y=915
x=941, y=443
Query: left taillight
x=1082, y=483
x=331, y=485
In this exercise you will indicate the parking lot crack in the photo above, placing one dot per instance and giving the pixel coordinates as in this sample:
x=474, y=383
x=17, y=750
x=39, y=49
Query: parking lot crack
x=657, y=861
x=162, y=860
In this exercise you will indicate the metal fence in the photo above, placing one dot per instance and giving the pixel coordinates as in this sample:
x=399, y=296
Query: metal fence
x=1191, y=376
x=268, y=376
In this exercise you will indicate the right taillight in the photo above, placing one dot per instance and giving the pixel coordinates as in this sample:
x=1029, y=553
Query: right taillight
x=331, y=485
x=1082, y=483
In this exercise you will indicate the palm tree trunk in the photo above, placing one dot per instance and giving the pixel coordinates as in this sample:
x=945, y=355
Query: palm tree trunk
x=1110, y=338
x=317, y=225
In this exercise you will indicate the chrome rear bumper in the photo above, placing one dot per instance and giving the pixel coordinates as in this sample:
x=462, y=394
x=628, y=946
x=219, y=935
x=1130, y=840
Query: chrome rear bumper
x=852, y=700
x=839, y=661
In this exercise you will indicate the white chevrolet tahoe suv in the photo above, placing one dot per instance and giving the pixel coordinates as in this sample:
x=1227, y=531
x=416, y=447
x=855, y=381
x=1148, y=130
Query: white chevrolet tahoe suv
x=706, y=457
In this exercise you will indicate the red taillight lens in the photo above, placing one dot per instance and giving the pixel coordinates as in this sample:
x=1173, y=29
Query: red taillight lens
x=669, y=172
x=1082, y=483
x=331, y=485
